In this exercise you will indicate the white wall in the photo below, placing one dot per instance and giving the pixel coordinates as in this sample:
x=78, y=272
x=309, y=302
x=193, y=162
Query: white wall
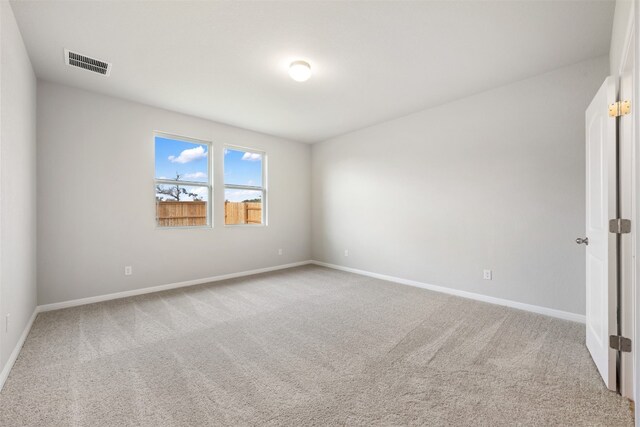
x=495, y=181
x=17, y=184
x=96, y=210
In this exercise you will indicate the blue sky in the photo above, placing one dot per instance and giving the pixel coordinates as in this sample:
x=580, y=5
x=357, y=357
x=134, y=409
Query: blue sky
x=242, y=168
x=190, y=160
x=180, y=157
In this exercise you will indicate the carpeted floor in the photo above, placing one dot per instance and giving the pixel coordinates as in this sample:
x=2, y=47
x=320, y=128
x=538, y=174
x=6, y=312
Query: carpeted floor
x=305, y=346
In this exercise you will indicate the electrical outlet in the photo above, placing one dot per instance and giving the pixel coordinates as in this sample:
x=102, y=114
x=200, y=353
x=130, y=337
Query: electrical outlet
x=279, y=251
x=346, y=252
x=128, y=270
x=487, y=275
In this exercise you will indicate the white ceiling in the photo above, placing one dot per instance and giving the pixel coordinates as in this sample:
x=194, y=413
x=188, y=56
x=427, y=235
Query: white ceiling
x=372, y=61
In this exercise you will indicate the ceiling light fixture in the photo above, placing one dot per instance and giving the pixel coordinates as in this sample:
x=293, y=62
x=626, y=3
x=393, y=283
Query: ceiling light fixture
x=300, y=71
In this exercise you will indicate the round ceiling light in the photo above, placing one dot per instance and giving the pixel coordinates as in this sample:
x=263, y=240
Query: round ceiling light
x=300, y=71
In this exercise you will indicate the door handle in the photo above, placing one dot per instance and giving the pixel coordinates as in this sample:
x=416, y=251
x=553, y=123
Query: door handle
x=580, y=240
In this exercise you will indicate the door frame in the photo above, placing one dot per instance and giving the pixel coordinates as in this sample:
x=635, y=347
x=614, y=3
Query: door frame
x=627, y=208
x=627, y=268
x=634, y=35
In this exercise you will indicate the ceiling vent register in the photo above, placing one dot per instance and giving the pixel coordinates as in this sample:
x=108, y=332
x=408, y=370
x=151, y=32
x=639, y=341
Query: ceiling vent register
x=75, y=59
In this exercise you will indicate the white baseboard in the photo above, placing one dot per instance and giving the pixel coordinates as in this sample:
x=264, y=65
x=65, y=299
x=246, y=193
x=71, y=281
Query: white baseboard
x=16, y=351
x=118, y=295
x=565, y=315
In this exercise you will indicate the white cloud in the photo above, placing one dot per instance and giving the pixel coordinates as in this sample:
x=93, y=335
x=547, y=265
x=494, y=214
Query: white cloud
x=240, y=195
x=202, y=192
x=252, y=157
x=194, y=175
x=189, y=155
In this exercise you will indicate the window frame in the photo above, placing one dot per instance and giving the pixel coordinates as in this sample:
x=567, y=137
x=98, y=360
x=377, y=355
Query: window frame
x=262, y=189
x=208, y=184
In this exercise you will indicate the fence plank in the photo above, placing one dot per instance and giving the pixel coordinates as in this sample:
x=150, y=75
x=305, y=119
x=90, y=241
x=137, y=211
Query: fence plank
x=183, y=214
x=242, y=213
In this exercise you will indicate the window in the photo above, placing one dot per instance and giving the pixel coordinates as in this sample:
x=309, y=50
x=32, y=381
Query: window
x=182, y=182
x=244, y=186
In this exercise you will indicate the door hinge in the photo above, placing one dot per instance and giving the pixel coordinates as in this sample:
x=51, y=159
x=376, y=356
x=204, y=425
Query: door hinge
x=620, y=108
x=619, y=343
x=619, y=226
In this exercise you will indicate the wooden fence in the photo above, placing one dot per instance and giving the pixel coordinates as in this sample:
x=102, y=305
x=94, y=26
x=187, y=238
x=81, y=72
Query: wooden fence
x=184, y=214
x=242, y=213
x=181, y=214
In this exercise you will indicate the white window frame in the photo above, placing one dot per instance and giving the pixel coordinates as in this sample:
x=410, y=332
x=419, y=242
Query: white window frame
x=262, y=189
x=208, y=184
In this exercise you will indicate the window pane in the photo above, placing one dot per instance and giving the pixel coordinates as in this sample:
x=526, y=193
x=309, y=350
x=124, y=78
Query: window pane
x=181, y=206
x=242, y=206
x=181, y=160
x=242, y=167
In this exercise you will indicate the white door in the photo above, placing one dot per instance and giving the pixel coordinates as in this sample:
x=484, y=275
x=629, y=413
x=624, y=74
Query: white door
x=601, y=245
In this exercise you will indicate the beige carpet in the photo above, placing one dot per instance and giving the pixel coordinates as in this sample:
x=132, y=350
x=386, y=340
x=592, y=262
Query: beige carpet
x=305, y=346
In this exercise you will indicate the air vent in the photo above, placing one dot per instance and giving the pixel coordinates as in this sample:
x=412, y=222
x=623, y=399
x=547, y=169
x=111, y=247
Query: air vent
x=75, y=59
